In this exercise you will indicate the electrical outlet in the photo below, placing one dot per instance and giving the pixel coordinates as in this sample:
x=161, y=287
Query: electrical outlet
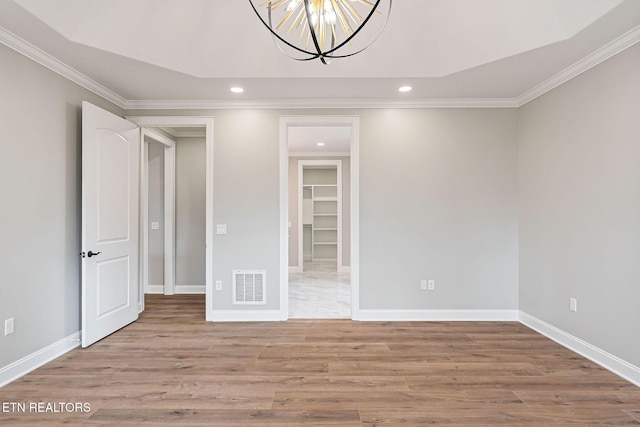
x=573, y=304
x=218, y=285
x=8, y=326
x=423, y=285
x=431, y=285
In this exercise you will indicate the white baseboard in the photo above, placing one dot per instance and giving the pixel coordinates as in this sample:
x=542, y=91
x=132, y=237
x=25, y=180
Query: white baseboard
x=154, y=289
x=344, y=269
x=179, y=289
x=190, y=289
x=33, y=361
x=246, y=316
x=608, y=361
x=436, y=315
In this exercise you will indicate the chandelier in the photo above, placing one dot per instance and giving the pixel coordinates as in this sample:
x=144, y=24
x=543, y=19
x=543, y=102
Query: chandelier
x=321, y=29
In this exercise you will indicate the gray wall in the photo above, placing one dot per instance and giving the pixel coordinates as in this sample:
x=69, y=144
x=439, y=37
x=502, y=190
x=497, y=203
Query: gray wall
x=293, y=208
x=190, y=211
x=438, y=193
x=438, y=200
x=156, y=213
x=579, y=162
x=40, y=172
x=246, y=186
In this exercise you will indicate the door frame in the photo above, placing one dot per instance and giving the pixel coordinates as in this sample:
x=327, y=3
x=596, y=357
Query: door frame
x=354, y=123
x=207, y=123
x=169, y=213
x=303, y=164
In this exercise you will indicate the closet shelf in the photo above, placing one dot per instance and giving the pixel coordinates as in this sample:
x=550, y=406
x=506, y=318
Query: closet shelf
x=323, y=209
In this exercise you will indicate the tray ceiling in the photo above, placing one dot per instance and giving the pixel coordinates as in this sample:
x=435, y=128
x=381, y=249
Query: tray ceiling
x=166, y=50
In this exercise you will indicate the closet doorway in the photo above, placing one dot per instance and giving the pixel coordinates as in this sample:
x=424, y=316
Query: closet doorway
x=320, y=231
x=319, y=282
x=290, y=265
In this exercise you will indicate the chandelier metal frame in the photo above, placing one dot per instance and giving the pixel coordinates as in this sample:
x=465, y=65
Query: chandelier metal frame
x=316, y=26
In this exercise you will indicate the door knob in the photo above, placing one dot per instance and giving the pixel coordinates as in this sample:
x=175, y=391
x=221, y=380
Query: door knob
x=90, y=254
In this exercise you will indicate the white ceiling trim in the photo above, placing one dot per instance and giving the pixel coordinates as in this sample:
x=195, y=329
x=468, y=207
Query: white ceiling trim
x=30, y=51
x=322, y=103
x=618, y=45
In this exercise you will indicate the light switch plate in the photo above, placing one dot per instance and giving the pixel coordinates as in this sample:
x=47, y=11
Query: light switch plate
x=155, y=226
x=221, y=228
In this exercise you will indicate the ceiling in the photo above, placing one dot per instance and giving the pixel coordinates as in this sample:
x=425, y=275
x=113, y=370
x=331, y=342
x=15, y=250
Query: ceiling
x=319, y=140
x=188, y=53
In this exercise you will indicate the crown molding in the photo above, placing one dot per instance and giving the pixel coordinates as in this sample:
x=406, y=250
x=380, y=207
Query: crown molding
x=320, y=104
x=30, y=51
x=611, y=49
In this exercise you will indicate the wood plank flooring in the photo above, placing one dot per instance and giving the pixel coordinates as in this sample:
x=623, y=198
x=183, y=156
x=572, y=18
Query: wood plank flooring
x=173, y=368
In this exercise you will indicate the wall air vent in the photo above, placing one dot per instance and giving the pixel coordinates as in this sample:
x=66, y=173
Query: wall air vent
x=249, y=287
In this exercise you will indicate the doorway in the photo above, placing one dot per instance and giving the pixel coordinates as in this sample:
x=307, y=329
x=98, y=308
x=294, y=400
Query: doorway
x=319, y=286
x=319, y=217
x=320, y=212
x=157, y=266
x=173, y=211
x=184, y=127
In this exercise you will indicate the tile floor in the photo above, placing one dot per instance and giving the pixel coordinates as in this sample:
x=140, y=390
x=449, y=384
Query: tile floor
x=320, y=292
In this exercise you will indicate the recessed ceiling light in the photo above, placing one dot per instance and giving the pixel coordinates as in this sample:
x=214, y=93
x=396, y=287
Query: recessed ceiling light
x=237, y=89
x=405, y=89
x=320, y=144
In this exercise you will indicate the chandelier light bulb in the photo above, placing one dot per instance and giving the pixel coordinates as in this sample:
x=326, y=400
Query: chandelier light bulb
x=322, y=29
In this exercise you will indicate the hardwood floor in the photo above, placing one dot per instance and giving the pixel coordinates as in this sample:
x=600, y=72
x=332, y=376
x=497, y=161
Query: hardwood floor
x=173, y=368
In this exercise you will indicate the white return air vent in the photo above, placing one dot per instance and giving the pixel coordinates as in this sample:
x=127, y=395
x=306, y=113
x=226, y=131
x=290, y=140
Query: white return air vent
x=249, y=287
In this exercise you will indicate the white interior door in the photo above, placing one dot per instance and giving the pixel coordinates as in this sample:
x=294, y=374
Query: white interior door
x=110, y=218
